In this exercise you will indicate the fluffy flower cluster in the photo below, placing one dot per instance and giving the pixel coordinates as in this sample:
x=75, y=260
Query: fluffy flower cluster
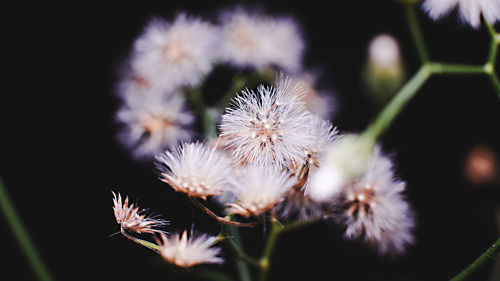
x=470, y=10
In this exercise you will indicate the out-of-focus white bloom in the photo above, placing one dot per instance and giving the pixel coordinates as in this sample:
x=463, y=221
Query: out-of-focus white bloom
x=470, y=10
x=374, y=209
x=130, y=218
x=254, y=40
x=345, y=159
x=268, y=127
x=195, y=169
x=153, y=122
x=187, y=252
x=258, y=189
x=298, y=206
x=175, y=54
x=383, y=52
x=318, y=102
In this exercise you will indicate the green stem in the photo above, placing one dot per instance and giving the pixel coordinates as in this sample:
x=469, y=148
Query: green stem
x=452, y=68
x=416, y=31
x=20, y=234
x=265, y=260
x=396, y=104
x=141, y=242
x=241, y=264
x=482, y=260
x=195, y=97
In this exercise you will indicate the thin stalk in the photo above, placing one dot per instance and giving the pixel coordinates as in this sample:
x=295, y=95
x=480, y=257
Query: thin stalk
x=483, y=259
x=241, y=264
x=195, y=97
x=397, y=103
x=495, y=40
x=221, y=219
x=416, y=32
x=265, y=260
x=141, y=242
x=452, y=68
x=21, y=235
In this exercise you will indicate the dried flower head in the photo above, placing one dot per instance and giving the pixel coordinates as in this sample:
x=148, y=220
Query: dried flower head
x=195, y=169
x=373, y=208
x=187, y=252
x=268, y=127
x=255, y=40
x=258, y=189
x=153, y=122
x=470, y=10
x=130, y=218
x=175, y=54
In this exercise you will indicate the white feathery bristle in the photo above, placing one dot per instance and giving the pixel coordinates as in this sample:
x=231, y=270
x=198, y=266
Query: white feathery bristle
x=375, y=208
x=255, y=40
x=195, y=169
x=154, y=122
x=175, y=54
x=267, y=127
x=182, y=251
x=470, y=10
x=258, y=189
x=318, y=101
x=383, y=52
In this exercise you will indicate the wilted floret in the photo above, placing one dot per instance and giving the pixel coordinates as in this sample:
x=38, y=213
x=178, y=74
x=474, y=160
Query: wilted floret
x=195, y=169
x=187, y=252
x=130, y=218
x=267, y=127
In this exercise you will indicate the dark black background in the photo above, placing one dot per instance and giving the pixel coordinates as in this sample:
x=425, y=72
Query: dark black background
x=59, y=157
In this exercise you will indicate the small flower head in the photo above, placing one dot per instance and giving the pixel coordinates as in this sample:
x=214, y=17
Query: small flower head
x=195, y=169
x=318, y=101
x=153, y=122
x=383, y=51
x=184, y=252
x=175, y=54
x=130, y=218
x=267, y=127
x=258, y=41
x=259, y=189
x=373, y=209
x=470, y=10
x=298, y=206
x=344, y=159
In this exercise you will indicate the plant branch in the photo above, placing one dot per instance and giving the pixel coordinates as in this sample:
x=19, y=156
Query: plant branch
x=221, y=219
x=21, y=235
x=141, y=242
x=482, y=260
x=416, y=32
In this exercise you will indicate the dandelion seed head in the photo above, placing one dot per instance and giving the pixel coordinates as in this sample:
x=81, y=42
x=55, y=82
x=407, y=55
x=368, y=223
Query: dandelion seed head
x=258, y=41
x=195, y=169
x=258, y=189
x=154, y=122
x=373, y=209
x=182, y=251
x=175, y=54
x=130, y=218
x=470, y=10
x=267, y=127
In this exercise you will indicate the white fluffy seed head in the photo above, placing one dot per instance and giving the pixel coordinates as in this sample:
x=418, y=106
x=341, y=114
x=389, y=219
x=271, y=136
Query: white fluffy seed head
x=374, y=209
x=175, y=54
x=258, y=41
x=470, y=10
x=267, y=127
x=182, y=251
x=258, y=189
x=195, y=169
x=153, y=122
